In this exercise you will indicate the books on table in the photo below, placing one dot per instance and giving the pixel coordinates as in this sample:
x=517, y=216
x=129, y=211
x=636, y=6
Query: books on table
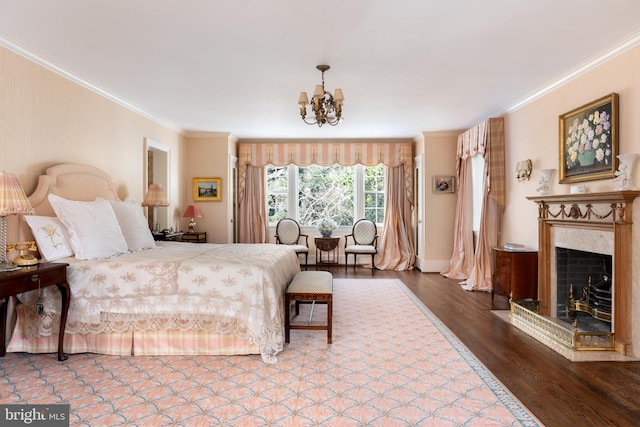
x=513, y=246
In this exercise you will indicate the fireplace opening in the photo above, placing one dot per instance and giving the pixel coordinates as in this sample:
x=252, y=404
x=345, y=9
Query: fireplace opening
x=584, y=289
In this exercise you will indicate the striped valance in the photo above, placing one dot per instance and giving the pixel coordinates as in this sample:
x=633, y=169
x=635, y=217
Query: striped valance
x=325, y=154
x=390, y=154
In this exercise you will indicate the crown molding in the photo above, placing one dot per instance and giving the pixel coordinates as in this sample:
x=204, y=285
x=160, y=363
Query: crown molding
x=33, y=57
x=624, y=45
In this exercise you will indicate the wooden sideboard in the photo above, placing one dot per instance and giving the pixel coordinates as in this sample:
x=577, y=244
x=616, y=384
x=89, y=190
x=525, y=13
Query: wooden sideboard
x=515, y=273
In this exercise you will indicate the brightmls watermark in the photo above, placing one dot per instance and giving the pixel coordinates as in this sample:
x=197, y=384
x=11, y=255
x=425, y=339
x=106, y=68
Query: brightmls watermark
x=35, y=415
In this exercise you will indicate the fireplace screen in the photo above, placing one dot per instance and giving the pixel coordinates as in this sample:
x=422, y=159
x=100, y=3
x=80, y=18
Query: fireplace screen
x=584, y=289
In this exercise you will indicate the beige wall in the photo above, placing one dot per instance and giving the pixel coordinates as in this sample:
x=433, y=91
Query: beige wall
x=207, y=156
x=438, y=210
x=532, y=132
x=47, y=119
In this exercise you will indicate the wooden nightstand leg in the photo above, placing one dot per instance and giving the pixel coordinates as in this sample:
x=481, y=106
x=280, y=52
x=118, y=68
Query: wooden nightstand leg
x=3, y=326
x=65, y=291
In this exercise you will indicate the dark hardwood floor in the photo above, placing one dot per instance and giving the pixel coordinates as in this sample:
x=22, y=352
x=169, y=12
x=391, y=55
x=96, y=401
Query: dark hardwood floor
x=557, y=391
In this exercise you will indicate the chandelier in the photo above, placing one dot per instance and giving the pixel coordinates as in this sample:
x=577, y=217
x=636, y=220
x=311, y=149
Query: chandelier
x=325, y=108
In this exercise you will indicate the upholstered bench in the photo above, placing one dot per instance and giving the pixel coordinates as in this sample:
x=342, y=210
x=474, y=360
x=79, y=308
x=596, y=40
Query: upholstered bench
x=309, y=286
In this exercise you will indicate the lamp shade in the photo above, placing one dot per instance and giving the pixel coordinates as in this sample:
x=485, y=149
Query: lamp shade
x=155, y=196
x=13, y=201
x=192, y=211
x=303, y=99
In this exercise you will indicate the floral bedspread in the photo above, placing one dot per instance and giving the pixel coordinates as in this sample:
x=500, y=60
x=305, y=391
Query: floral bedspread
x=229, y=288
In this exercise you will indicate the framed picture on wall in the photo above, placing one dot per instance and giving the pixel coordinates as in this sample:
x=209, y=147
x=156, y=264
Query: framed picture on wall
x=444, y=184
x=589, y=141
x=207, y=189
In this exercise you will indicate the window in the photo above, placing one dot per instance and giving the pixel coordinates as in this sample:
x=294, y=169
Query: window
x=310, y=193
x=477, y=183
x=277, y=193
x=374, y=194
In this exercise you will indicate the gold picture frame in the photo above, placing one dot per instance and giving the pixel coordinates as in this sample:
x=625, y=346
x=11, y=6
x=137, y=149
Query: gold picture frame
x=588, y=141
x=207, y=189
x=444, y=184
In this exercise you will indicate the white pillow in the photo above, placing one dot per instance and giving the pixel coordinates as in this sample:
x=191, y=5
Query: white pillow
x=94, y=232
x=51, y=236
x=133, y=224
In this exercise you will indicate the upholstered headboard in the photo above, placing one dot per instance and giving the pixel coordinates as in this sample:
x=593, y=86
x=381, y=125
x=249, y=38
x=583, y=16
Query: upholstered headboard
x=72, y=181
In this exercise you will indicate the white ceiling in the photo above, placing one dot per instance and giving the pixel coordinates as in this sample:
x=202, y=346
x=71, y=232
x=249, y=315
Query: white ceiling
x=405, y=66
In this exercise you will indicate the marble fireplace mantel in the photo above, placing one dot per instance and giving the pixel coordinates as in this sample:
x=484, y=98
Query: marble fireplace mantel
x=606, y=211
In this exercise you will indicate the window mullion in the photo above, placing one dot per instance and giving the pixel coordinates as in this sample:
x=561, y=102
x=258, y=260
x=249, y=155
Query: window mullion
x=293, y=192
x=358, y=191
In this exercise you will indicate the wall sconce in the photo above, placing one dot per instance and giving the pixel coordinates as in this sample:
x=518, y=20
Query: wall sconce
x=523, y=170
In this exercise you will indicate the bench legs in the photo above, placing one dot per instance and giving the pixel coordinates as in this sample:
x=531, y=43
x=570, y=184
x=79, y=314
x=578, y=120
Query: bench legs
x=307, y=298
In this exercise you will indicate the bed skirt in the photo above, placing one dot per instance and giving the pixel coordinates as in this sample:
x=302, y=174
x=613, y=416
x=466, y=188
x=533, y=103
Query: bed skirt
x=137, y=343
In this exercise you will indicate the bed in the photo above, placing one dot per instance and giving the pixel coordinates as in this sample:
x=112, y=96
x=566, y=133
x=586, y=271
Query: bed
x=172, y=299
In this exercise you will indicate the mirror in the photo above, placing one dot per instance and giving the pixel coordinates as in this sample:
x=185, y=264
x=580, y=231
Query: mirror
x=158, y=170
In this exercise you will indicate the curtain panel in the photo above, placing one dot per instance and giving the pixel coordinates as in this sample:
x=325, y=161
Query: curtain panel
x=487, y=140
x=395, y=246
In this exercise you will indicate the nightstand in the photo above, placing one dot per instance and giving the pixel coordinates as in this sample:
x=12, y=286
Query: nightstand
x=195, y=237
x=26, y=279
x=515, y=273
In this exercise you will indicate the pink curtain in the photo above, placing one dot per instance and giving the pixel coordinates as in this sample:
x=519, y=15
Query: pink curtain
x=395, y=247
x=461, y=261
x=486, y=139
x=253, y=221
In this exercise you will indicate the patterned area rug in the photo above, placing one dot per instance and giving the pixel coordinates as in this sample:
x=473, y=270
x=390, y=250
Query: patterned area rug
x=392, y=363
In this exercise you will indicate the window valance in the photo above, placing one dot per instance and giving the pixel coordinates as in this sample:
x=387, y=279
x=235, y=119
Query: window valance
x=487, y=140
x=326, y=154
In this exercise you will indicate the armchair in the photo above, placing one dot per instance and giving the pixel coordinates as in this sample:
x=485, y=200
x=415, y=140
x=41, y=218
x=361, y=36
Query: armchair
x=288, y=233
x=365, y=242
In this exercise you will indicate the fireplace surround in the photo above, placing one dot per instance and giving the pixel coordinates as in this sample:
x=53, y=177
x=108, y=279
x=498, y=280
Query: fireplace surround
x=604, y=219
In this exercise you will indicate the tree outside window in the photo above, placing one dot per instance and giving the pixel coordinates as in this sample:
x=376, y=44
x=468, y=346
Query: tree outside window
x=277, y=193
x=314, y=192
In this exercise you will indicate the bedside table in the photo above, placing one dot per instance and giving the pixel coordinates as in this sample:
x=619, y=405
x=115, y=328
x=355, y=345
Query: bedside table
x=26, y=279
x=195, y=237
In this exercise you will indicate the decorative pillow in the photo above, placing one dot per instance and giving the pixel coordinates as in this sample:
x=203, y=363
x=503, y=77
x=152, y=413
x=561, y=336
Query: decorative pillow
x=51, y=236
x=94, y=232
x=133, y=224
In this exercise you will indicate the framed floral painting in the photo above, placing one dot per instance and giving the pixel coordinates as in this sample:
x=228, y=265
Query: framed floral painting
x=589, y=141
x=444, y=184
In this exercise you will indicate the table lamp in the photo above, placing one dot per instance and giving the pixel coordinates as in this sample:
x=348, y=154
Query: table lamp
x=155, y=197
x=192, y=212
x=13, y=201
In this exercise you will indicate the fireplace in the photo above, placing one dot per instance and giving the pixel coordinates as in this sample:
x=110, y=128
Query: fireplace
x=599, y=223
